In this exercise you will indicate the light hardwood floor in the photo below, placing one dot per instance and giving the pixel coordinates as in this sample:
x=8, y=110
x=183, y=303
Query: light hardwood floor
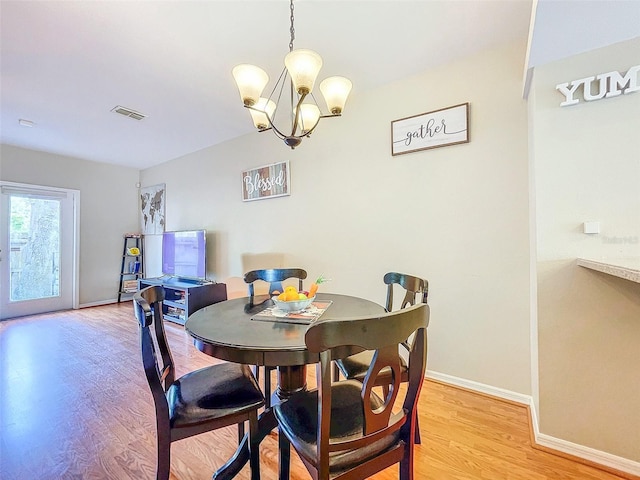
x=74, y=404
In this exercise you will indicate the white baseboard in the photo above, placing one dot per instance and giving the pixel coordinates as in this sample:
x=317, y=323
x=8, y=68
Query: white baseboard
x=480, y=387
x=590, y=454
x=98, y=303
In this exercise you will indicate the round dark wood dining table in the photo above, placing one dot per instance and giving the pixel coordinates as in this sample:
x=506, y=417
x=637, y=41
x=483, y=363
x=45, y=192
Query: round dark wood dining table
x=226, y=331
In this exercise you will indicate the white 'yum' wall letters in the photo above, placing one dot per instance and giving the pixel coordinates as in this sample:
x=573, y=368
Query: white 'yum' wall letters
x=610, y=84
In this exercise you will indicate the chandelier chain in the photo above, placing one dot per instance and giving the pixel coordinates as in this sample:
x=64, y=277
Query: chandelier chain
x=291, y=29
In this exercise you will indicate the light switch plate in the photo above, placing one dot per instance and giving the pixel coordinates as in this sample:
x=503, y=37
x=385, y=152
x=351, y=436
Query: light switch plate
x=591, y=227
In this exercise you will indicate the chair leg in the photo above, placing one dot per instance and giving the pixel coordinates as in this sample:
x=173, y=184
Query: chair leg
x=336, y=373
x=164, y=456
x=284, y=447
x=267, y=387
x=406, y=464
x=417, y=434
x=240, y=432
x=254, y=446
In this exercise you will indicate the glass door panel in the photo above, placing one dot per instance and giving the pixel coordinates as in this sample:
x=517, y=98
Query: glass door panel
x=37, y=249
x=34, y=243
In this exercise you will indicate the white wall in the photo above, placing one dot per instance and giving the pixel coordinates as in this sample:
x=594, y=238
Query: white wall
x=457, y=215
x=108, y=208
x=587, y=167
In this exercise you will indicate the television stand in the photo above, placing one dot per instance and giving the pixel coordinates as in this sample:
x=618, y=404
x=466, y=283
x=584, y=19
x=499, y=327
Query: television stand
x=183, y=296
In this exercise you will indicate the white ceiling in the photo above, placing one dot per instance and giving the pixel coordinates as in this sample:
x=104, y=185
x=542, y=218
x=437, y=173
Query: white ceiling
x=568, y=27
x=66, y=64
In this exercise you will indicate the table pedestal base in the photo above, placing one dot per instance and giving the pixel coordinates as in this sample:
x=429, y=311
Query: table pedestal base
x=291, y=379
x=266, y=422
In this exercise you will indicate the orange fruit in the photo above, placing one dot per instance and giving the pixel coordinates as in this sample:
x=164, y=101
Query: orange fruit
x=291, y=295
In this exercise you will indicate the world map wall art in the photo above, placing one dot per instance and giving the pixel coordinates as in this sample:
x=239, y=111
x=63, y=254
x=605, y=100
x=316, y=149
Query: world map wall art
x=152, y=202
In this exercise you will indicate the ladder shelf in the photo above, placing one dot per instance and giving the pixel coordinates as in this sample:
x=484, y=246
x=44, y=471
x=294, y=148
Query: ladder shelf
x=131, y=268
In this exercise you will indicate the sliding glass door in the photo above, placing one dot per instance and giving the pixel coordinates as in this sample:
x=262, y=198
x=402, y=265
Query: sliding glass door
x=37, y=249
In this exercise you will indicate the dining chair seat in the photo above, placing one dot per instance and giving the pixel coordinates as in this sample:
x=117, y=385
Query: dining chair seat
x=212, y=393
x=298, y=419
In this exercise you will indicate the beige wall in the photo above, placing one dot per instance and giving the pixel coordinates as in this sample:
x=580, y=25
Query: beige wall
x=108, y=208
x=456, y=215
x=587, y=167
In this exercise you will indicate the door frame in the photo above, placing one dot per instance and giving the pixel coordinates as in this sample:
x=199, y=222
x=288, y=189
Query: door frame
x=74, y=196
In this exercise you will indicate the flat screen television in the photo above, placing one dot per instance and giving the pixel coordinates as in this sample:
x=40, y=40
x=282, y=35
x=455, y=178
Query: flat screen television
x=184, y=254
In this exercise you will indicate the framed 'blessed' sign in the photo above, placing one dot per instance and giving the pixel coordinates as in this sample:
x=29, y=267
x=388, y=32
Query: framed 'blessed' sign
x=269, y=181
x=447, y=126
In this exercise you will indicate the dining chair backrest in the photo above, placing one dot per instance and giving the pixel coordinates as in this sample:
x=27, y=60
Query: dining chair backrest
x=414, y=287
x=382, y=335
x=275, y=277
x=159, y=369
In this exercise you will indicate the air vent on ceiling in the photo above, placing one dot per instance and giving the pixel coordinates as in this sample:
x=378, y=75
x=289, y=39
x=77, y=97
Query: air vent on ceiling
x=127, y=112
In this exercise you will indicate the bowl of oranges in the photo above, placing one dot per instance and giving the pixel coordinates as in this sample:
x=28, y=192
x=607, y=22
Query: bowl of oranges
x=292, y=301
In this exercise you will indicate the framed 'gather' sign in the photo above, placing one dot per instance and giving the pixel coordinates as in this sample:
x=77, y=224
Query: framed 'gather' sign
x=447, y=126
x=269, y=181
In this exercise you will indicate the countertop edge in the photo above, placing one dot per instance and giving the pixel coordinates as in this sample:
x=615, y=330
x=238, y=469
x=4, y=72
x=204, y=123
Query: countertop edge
x=628, y=273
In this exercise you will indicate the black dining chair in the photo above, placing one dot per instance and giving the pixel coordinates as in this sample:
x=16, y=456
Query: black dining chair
x=275, y=277
x=200, y=401
x=344, y=430
x=356, y=366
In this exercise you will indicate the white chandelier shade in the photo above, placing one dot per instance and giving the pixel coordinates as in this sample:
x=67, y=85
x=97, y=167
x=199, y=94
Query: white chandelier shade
x=303, y=67
x=262, y=111
x=309, y=116
x=251, y=81
x=335, y=91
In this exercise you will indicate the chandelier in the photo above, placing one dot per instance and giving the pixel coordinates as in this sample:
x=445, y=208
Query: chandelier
x=299, y=75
